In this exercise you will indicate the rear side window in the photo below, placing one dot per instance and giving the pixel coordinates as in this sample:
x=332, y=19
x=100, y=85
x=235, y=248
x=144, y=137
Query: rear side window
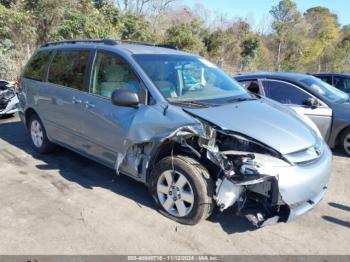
x=68, y=68
x=36, y=66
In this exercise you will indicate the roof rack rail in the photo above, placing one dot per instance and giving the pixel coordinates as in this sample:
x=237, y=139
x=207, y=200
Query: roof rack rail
x=166, y=46
x=147, y=44
x=76, y=41
x=106, y=42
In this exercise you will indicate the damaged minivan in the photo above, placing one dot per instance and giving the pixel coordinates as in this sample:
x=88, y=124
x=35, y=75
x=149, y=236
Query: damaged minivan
x=177, y=123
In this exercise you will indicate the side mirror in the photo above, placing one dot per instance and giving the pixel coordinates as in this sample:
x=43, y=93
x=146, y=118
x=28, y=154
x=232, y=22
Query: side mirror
x=312, y=102
x=125, y=98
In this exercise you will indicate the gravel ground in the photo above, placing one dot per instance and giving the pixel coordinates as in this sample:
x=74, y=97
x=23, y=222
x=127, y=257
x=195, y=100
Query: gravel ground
x=63, y=203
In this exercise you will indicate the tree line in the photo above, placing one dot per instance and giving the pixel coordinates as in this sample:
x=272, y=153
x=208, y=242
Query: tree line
x=313, y=41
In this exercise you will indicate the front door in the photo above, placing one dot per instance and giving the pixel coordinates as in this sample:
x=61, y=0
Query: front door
x=295, y=97
x=106, y=126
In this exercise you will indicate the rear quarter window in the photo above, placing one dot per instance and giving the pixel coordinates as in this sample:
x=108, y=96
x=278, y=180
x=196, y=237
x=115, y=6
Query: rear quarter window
x=36, y=66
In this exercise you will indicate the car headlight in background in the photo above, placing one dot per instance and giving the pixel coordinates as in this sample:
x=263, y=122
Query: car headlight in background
x=7, y=94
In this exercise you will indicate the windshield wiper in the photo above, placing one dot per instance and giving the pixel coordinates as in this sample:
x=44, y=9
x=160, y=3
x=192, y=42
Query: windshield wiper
x=195, y=103
x=240, y=99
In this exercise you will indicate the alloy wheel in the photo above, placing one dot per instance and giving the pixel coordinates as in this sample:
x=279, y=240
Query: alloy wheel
x=36, y=133
x=175, y=193
x=347, y=143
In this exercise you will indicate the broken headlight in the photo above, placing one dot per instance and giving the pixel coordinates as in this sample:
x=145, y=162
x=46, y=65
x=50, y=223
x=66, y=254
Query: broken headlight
x=233, y=145
x=7, y=94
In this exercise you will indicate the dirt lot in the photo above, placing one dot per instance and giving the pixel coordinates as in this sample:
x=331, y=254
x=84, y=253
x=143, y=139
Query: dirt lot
x=65, y=204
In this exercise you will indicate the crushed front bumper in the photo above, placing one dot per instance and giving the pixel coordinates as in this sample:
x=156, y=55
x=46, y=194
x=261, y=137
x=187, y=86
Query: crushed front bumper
x=302, y=187
x=11, y=107
x=286, y=192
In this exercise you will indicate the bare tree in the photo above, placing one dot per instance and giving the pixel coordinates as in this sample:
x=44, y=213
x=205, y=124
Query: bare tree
x=143, y=6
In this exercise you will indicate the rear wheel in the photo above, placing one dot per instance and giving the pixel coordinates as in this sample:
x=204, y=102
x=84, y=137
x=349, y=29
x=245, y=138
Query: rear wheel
x=38, y=136
x=183, y=189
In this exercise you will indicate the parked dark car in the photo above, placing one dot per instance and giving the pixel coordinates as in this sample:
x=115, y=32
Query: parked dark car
x=340, y=81
x=326, y=106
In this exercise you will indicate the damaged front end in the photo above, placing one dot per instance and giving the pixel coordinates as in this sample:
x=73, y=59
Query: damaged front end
x=8, y=100
x=241, y=181
x=259, y=183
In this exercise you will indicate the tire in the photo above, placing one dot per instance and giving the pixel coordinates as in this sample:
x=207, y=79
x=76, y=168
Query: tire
x=176, y=202
x=38, y=137
x=345, y=141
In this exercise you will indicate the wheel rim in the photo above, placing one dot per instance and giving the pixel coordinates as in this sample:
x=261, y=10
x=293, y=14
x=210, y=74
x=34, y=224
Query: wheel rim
x=175, y=193
x=36, y=133
x=347, y=144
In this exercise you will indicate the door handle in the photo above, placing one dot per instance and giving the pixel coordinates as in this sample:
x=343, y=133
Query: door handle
x=89, y=105
x=76, y=101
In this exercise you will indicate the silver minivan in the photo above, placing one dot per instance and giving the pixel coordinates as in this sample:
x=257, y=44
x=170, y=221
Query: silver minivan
x=177, y=123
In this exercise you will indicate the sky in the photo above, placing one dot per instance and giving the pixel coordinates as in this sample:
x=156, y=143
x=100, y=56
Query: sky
x=257, y=11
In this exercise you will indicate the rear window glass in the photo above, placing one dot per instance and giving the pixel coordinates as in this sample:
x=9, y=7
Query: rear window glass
x=36, y=66
x=68, y=68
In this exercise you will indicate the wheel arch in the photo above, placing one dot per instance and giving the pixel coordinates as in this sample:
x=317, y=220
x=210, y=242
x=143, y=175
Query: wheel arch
x=28, y=113
x=169, y=147
x=338, y=136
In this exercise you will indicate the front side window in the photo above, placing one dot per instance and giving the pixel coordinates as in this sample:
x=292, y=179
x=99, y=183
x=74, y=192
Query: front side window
x=111, y=73
x=36, y=66
x=284, y=93
x=68, y=68
x=251, y=86
x=184, y=78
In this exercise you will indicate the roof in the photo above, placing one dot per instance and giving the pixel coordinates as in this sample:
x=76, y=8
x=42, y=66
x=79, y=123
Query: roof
x=275, y=75
x=331, y=74
x=146, y=49
x=132, y=47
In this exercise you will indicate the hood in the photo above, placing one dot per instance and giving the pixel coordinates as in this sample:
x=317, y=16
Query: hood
x=267, y=122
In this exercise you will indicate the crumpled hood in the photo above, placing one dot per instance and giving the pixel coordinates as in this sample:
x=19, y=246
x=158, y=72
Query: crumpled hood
x=265, y=121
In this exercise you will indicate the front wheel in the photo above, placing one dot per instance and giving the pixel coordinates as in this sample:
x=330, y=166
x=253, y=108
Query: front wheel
x=183, y=189
x=345, y=140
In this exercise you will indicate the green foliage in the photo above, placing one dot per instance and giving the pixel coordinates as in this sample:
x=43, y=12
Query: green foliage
x=185, y=36
x=135, y=28
x=309, y=42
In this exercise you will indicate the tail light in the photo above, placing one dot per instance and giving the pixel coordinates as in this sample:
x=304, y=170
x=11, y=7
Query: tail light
x=17, y=83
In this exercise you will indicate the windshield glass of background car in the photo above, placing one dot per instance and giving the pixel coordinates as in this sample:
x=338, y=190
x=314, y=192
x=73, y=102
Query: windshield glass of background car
x=325, y=90
x=189, y=78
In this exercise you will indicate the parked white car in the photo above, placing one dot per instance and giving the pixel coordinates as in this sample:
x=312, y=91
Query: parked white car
x=8, y=98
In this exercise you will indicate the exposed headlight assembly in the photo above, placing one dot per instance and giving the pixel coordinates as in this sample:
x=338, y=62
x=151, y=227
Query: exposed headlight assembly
x=7, y=94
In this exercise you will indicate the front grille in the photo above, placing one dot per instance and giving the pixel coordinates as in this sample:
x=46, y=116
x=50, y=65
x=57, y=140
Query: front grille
x=306, y=156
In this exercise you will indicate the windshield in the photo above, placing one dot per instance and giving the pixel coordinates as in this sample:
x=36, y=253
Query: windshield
x=325, y=90
x=184, y=78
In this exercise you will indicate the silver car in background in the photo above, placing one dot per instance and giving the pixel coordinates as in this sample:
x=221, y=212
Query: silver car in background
x=327, y=106
x=177, y=123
